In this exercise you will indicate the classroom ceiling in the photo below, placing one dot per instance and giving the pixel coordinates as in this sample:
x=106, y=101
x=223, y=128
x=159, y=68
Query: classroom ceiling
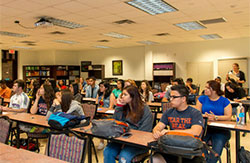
x=98, y=17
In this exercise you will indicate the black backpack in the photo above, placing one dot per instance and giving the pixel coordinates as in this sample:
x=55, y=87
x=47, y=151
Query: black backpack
x=244, y=155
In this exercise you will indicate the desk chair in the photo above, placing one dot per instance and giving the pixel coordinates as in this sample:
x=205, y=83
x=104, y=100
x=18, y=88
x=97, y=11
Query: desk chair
x=67, y=148
x=89, y=109
x=5, y=128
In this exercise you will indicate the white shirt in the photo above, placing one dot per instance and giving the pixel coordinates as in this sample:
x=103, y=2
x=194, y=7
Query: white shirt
x=19, y=101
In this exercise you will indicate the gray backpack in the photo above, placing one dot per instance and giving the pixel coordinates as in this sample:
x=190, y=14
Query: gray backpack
x=109, y=128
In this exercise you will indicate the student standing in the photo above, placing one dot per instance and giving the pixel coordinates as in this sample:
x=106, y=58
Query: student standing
x=236, y=74
x=216, y=108
x=181, y=118
x=132, y=110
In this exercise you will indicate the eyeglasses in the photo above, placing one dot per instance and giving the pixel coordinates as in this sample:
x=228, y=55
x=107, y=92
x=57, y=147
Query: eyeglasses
x=173, y=97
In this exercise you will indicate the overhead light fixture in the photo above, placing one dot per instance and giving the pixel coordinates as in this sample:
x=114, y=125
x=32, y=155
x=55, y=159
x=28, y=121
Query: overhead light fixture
x=21, y=47
x=101, y=46
x=210, y=36
x=63, y=23
x=152, y=7
x=66, y=41
x=116, y=35
x=5, y=33
x=147, y=42
x=188, y=26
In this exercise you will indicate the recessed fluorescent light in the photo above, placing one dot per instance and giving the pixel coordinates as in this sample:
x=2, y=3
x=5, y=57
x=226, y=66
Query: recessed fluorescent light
x=210, y=36
x=152, y=7
x=100, y=46
x=66, y=41
x=190, y=26
x=116, y=35
x=63, y=23
x=147, y=42
x=12, y=34
x=21, y=47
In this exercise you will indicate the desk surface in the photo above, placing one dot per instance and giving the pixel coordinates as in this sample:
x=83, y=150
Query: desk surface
x=88, y=99
x=28, y=118
x=154, y=104
x=10, y=154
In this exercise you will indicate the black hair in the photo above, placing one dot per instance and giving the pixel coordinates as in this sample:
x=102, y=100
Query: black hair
x=75, y=88
x=190, y=80
x=107, y=91
x=2, y=81
x=231, y=85
x=179, y=81
x=93, y=78
x=181, y=89
x=122, y=82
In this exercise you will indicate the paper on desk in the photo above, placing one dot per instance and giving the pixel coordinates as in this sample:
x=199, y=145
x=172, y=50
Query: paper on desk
x=110, y=111
x=4, y=113
x=221, y=125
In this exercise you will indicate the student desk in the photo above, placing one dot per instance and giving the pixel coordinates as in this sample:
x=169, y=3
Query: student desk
x=10, y=154
x=102, y=110
x=232, y=126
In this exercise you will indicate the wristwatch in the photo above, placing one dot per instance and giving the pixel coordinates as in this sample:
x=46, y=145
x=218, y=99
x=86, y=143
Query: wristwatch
x=216, y=118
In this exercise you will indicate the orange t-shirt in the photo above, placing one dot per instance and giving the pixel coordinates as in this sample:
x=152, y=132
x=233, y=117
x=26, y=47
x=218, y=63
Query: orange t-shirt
x=5, y=93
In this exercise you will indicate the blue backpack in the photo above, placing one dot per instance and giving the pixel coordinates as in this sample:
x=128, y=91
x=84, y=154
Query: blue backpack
x=61, y=120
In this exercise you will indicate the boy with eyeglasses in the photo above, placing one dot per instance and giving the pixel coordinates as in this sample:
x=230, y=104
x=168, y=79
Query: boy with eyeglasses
x=181, y=118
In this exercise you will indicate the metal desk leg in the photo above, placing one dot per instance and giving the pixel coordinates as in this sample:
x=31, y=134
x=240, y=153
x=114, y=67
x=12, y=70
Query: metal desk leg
x=18, y=135
x=237, y=144
x=89, y=149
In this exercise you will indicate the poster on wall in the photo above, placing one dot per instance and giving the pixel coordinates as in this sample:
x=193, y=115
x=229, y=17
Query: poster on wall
x=117, y=67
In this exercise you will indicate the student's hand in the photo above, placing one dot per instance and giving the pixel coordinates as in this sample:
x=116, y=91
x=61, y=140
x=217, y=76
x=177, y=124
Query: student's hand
x=38, y=94
x=120, y=101
x=56, y=102
x=59, y=96
x=211, y=117
x=158, y=134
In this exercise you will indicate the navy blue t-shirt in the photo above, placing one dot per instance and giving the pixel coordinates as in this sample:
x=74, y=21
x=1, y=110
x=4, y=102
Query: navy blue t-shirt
x=42, y=107
x=181, y=120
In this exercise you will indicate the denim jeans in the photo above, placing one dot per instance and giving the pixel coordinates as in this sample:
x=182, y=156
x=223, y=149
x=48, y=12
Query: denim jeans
x=219, y=139
x=126, y=153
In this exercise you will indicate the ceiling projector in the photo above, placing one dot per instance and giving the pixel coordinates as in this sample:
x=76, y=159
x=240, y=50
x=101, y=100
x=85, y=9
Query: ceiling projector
x=43, y=22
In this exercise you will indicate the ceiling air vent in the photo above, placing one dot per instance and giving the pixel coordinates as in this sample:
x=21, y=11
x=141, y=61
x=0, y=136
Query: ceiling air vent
x=125, y=21
x=28, y=42
x=57, y=33
x=162, y=34
x=103, y=41
x=213, y=21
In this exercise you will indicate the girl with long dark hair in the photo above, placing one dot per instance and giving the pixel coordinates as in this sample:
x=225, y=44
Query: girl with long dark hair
x=133, y=110
x=145, y=90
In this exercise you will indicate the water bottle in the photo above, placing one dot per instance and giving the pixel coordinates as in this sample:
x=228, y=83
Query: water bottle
x=240, y=119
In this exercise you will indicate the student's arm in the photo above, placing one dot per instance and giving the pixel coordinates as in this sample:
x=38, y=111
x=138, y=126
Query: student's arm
x=111, y=101
x=194, y=130
x=198, y=105
x=159, y=130
x=34, y=107
x=96, y=101
x=226, y=117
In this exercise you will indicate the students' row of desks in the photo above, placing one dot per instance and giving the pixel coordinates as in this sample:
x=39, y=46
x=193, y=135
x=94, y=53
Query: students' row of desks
x=136, y=139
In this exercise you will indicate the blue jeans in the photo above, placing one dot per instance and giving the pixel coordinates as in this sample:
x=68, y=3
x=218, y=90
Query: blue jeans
x=126, y=154
x=219, y=139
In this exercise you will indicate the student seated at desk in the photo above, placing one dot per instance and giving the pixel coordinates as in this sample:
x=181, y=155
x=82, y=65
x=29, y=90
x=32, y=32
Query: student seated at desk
x=177, y=81
x=129, y=82
x=181, y=118
x=19, y=102
x=216, y=108
x=44, y=99
x=103, y=95
x=5, y=91
x=92, y=89
x=64, y=103
x=145, y=90
x=116, y=92
x=191, y=87
x=130, y=109
x=74, y=88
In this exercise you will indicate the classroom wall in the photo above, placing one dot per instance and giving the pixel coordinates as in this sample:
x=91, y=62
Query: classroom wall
x=133, y=61
x=138, y=61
